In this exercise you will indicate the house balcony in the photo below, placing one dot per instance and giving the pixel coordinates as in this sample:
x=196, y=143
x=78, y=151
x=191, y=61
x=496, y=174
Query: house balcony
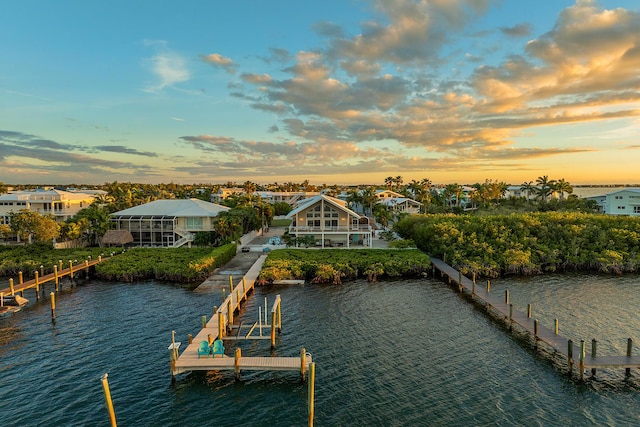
x=361, y=228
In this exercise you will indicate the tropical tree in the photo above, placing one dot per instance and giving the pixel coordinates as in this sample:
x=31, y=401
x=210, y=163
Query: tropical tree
x=528, y=188
x=369, y=198
x=354, y=198
x=562, y=186
x=94, y=222
x=382, y=214
x=30, y=226
x=545, y=187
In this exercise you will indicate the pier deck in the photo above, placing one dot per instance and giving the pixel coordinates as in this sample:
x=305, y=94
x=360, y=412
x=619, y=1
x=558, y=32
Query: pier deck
x=540, y=333
x=216, y=328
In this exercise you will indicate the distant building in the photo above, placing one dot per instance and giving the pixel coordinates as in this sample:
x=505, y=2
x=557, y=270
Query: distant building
x=168, y=223
x=621, y=202
x=61, y=204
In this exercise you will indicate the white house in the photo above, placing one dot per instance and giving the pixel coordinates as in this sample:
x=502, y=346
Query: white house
x=61, y=204
x=330, y=221
x=169, y=223
x=621, y=202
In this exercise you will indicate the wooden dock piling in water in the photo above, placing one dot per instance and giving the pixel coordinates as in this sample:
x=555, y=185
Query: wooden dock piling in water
x=561, y=345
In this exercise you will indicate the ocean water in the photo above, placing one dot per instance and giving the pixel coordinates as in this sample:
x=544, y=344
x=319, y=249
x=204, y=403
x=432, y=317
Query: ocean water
x=400, y=353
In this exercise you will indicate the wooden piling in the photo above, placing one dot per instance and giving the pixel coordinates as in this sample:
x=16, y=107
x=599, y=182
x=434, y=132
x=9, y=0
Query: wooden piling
x=204, y=321
x=20, y=277
x=570, y=355
x=86, y=271
x=230, y=284
x=107, y=398
x=230, y=312
x=238, y=355
x=303, y=363
x=57, y=279
x=629, y=350
x=488, y=286
x=53, y=305
x=594, y=347
x=279, y=313
x=582, y=355
x=556, y=326
x=11, y=287
x=529, y=311
x=273, y=330
x=244, y=287
x=37, y=286
x=220, y=324
x=71, y=272
x=506, y=296
x=190, y=338
x=312, y=388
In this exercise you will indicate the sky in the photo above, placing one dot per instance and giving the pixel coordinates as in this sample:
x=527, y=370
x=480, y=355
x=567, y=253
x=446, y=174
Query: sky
x=332, y=91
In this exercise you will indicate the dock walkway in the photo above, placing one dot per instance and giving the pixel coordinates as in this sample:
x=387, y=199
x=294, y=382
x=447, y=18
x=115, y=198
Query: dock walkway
x=561, y=345
x=220, y=323
x=40, y=280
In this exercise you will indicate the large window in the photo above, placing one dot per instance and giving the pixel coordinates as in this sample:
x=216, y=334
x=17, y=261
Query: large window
x=193, y=223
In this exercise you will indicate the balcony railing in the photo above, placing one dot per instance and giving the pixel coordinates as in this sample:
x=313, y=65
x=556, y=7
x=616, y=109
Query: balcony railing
x=328, y=229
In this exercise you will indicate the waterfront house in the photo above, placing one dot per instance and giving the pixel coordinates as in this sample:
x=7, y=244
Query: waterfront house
x=620, y=202
x=167, y=223
x=61, y=204
x=330, y=222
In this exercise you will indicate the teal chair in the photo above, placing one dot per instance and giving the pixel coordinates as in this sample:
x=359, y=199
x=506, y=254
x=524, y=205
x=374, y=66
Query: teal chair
x=218, y=348
x=204, y=349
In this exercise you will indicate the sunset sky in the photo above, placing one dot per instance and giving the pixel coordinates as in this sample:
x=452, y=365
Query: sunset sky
x=333, y=91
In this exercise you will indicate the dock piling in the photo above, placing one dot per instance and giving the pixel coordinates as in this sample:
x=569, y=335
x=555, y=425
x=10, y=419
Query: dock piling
x=11, y=287
x=238, y=355
x=108, y=402
x=629, y=350
x=570, y=355
x=53, y=306
x=312, y=388
x=582, y=355
x=37, y=286
x=594, y=347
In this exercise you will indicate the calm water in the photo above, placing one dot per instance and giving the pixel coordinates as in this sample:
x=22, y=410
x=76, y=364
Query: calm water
x=387, y=354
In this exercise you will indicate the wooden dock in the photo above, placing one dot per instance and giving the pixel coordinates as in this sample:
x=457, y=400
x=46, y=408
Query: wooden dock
x=220, y=325
x=502, y=308
x=41, y=279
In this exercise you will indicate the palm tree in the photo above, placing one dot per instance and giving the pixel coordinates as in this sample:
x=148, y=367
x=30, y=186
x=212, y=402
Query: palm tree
x=562, y=187
x=369, y=198
x=545, y=187
x=528, y=188
x=388, y=181
x=354, y=198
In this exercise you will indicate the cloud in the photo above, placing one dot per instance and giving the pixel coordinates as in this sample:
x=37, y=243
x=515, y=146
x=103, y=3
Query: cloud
x=220, y=61
x=518, y=30
x=124, y=150
x=168, y=67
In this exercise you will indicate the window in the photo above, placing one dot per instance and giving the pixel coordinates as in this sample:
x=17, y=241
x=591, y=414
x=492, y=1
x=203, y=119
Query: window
x=618, y=197
x=621, y=208
x=636, y=209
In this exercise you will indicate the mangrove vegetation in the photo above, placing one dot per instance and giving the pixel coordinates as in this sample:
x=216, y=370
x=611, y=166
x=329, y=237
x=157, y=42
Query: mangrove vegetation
x=335, y=265
x=528, y=244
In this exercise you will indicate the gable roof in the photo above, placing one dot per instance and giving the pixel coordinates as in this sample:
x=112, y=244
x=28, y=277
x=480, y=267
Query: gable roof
x=175, y=208
x=304, y=204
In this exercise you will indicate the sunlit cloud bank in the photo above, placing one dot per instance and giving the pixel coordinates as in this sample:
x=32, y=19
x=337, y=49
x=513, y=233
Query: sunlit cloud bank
x=383, y=101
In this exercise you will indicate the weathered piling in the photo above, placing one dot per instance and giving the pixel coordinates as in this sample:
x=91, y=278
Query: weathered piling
x=107, y=398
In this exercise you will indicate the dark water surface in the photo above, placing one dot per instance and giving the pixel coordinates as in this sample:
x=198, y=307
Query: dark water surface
x=404, y=353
